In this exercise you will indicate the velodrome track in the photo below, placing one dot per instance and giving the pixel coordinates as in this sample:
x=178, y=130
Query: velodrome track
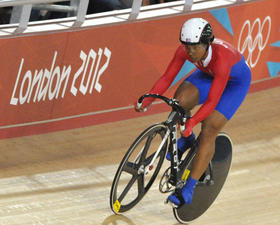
x=65, y=177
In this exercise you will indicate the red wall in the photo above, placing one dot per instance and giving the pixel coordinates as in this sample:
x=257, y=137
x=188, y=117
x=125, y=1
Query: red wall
x=51, y=77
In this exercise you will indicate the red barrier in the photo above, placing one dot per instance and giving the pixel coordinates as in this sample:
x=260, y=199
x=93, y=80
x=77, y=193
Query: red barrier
x=71, y=79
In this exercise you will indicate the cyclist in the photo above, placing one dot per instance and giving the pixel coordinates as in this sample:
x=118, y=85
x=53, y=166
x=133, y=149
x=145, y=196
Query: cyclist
x=220, y=83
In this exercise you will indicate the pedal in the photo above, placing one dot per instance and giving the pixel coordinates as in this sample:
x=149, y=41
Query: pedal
x=170, y=203
x=206, y=181
x=164, y=185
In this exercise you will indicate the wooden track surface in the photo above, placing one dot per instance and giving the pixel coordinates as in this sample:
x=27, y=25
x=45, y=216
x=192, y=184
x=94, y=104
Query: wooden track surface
x=65, y=177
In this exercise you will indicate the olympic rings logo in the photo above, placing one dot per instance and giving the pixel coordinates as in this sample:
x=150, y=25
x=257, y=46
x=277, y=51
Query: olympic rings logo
x=258, y=41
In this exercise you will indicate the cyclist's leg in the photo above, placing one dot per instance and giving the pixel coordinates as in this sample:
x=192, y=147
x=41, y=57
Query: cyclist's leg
x=193, y=91
x=230, y=101
x=233, y=96
x=210, y=128
x=188, y=96
x=184, y=90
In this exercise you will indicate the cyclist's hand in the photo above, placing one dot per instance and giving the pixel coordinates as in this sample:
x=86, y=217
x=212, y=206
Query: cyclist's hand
x=188, y=128
x=139, y=108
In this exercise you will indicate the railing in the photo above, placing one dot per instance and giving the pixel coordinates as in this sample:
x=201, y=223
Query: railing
x=78, y=9
x=22, y=10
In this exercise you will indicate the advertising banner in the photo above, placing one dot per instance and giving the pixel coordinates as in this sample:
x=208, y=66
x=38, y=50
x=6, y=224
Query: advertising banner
x=94, y=75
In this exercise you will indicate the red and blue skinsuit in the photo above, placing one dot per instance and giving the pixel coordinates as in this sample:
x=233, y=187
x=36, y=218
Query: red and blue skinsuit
x=223, y=80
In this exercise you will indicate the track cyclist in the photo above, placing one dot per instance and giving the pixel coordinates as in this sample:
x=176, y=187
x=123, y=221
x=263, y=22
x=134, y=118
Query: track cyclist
x=220, y=83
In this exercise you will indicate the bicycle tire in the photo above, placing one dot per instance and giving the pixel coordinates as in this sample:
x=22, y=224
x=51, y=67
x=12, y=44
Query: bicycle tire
x=204, y=196
x=156, y=131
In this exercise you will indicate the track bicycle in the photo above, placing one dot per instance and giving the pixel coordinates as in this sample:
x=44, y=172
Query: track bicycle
x=144, y=158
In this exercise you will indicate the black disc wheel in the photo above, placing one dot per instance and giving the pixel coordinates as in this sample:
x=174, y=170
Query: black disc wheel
x=205, y=195
x=139, y=168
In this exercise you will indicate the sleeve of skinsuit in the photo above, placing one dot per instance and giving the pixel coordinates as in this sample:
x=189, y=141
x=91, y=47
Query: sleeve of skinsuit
x=221, y=77
x=166, y=79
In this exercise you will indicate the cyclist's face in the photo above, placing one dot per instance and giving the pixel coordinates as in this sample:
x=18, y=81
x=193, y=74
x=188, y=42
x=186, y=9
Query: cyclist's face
x=196, y=52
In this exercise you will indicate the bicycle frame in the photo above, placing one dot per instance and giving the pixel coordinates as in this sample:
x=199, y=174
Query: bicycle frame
x=171, y=123
x=171, y=133
x=177, y=116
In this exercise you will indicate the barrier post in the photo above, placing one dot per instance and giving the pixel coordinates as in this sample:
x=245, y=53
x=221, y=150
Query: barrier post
x=135, y=9
x=188, y=5
x=21, y=15
x=81, y=11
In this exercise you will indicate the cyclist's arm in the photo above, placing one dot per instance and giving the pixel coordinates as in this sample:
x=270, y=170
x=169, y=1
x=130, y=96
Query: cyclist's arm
x=166, y=79
x=219, y=83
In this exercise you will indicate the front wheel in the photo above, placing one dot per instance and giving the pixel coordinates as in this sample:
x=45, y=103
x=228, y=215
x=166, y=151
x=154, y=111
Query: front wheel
x=135, y=175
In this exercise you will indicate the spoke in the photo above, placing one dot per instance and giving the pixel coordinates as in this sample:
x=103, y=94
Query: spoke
x=149, y=159
x=147, y=146
x=127, y=188
x=130, y=168
x=138, y=155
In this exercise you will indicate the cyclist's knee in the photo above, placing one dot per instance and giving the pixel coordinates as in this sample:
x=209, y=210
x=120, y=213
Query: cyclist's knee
x=214, y=123
x=209, y=129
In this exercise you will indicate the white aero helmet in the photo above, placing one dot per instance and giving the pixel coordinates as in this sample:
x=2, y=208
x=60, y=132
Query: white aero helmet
x=195, y=31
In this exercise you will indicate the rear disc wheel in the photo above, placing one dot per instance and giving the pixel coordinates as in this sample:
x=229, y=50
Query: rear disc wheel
x=205, y=195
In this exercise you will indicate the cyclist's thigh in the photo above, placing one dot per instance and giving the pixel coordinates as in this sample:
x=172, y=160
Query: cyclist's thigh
x=236, y=89
x=187, y=95
x=202, y=81
x=194, y=90
x=213, y=124
x=232, y=98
